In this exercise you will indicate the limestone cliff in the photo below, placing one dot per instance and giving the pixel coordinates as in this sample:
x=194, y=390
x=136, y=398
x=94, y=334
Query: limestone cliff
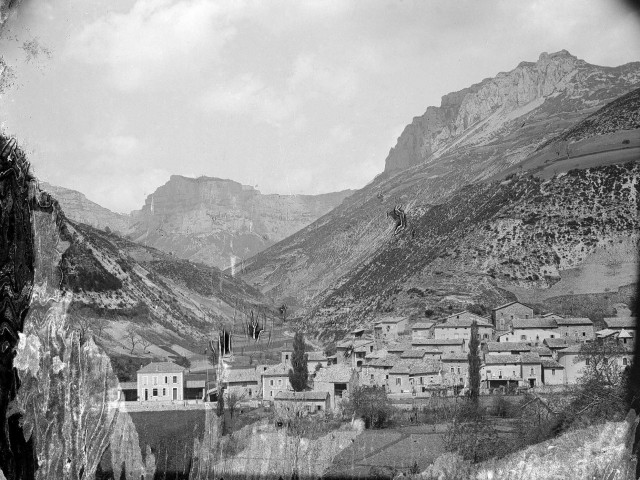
x=221, y=222
x=557, y=84
x=80, y=209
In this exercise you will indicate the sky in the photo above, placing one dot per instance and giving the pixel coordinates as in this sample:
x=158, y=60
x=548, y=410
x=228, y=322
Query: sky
x=113, y=97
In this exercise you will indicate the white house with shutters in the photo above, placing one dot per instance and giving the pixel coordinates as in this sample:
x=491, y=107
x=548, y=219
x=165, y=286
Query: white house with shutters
x=160, y=382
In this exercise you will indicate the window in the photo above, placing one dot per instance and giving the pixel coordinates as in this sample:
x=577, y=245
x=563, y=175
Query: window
x=566, y=334
x=411, y=381
x=553, y=336
x=452, y=370
x=553, y=371
x=523, y=337
x=488, y=373
x=500, y=373
x=155, y=380
x=271, y=393
x=164, y=392
x=279, y=381
x=624, y=361
x=175, y=379
x=533, y=372
x=372, y=377
x=584, y=334
x=458, y=369
x=166, y=380
x=398, y=381
x=154, y=392
x=271, y=382
x=587, y=361
x=421, y=380
x=144, y=380
x=286, y=357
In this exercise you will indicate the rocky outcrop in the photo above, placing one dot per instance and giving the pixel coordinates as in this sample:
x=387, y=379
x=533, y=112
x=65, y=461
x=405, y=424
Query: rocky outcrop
x=79, y=208
x=478, y=115
x=221, y=222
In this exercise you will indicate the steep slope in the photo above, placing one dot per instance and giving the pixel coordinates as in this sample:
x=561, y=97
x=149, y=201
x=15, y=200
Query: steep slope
x=167, y=301
x=493, y=237
x=79, y=208
x=221, y=222
x=310, y=264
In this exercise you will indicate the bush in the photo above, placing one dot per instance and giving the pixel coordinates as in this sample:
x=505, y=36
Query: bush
x=371, y=404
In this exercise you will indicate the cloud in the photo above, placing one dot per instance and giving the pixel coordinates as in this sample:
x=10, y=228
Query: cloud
x=156, y=38
x=249, y=96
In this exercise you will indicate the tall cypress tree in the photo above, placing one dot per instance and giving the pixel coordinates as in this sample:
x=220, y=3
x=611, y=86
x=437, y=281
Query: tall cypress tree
x=298, y=376
x=474, y=363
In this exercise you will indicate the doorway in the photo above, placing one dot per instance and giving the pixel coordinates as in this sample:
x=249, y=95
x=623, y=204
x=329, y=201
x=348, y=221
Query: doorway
x=175, y=393
x=532, y=382
x=146, y=394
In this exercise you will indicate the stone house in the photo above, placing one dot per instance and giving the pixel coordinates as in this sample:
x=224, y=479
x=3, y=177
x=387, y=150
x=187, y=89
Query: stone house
x=503, y=315
x=275, y=379
x=531, y=369
x=459, y=324
x=353, y=351
x=552, y=372
x=311, y=402
x=533, y=330
x=573, y=365
x=387, y=329
x=557, y=344
x=242, y=382
x=620, y=323
x=577, y=328
x=410, y=376
x=422, y=330
x=455, y=369
x=501, y=371
x=336, y=380
x=315, y=359
x=375, y=371
x=160, y=381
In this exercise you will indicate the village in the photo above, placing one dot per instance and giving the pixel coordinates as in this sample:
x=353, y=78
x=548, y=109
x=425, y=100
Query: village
x=520, y=352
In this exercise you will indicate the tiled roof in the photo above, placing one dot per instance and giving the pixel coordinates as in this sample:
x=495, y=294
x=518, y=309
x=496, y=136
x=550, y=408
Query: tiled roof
x=607, y=332
x=454, y=321
x=413, y=367
x=388, y=361
x=398, y=347
x=240, y=375
x=439, y=341
x=422, y=326
x=501, y=359
x=620, y=322
x=278, y=370
x=529, y=357
x=161, y=367
x=308, y=396
x=571, y=349
x=128, y=385
x=507, y=347
x=340, y=373
x=625, y=334
x=574, y=321
x=414, y=353
x=535, y=322
x=542, y=351
x=390, y=320
x=550, y=363
x=551, y=315
x=558, y=342
x=357, y=343
x=455, y=357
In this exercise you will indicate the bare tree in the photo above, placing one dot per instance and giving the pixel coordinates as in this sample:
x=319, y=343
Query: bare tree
x=98, y=325
x=131, y=335
x=145, y=344
x=233, y=399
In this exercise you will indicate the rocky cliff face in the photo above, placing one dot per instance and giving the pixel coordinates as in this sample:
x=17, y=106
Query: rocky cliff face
x=320, y=260
x=221, y=222
x=80, y=209
x=558, y=84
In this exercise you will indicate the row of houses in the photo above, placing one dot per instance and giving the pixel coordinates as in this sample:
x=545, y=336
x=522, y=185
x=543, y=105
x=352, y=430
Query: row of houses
x=517, y=349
